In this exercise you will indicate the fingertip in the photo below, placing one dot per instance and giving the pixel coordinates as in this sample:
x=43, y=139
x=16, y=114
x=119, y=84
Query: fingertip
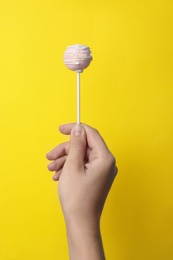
x=49, y=167
x=60, y=127
x=56, y=176
x=48, y=156
x=66, y=128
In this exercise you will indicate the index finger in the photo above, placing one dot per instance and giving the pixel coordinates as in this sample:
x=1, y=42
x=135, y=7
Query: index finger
x=94, y=139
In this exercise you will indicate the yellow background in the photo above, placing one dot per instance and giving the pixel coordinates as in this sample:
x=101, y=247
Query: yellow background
x=127, y=94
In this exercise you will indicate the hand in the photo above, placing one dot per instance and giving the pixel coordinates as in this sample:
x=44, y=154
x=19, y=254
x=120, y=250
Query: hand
x=85, y=169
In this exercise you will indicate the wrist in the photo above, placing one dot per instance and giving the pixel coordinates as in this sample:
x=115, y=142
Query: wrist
x=82, y=218
x=84, y=240
x=83, y=225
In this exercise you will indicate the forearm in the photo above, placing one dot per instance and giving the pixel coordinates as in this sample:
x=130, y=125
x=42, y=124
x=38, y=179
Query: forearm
x=84, y=240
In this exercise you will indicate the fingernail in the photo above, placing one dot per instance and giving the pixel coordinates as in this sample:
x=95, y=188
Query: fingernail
x=77, y=130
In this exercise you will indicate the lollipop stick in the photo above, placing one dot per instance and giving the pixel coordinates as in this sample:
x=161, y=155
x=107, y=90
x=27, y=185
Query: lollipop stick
x=78, y=96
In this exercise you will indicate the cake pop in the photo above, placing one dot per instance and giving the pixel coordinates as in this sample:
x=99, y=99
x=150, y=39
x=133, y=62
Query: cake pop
x=77, y=57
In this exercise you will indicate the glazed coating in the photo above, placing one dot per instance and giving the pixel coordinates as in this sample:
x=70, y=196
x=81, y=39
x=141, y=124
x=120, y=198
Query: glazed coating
x=77, y=57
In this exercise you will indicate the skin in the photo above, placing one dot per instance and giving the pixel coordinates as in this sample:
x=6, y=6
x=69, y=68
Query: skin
x=85, y=169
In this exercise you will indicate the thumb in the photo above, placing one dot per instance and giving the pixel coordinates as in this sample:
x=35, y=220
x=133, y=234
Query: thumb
x=77, y=147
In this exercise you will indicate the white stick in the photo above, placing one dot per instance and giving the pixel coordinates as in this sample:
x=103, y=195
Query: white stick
x=78, y=96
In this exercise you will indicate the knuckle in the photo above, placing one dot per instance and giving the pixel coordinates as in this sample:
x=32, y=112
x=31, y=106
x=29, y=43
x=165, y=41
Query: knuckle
x=112, y=159
x=78, y=144
x=110, y=163
x=94, y=130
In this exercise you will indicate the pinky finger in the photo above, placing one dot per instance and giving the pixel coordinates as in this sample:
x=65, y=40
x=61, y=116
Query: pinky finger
x=56, y=176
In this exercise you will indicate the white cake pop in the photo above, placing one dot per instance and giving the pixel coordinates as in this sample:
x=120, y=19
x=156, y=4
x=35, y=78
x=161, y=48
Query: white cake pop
x=77, y=57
